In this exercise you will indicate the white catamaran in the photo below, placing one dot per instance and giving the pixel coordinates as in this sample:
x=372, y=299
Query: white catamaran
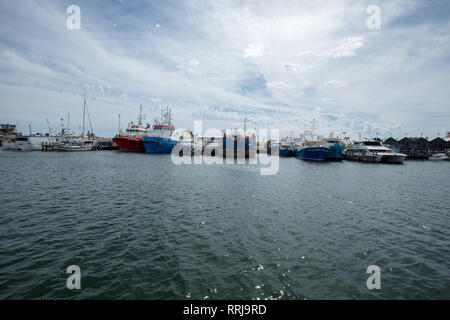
x=375, y=150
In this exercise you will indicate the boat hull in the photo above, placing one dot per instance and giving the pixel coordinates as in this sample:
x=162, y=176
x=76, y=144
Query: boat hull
x=155, y=145
x=395, y=158
x=9, y=145
x=74, y=148
x=312, y=154
x=129, y=144
x=285, y=152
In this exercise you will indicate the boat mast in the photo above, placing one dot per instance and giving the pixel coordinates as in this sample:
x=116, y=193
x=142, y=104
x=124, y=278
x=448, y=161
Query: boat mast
x=50, y=130
x=120, y=129
x=90, y=123
x=140, y=116
x=84, y=116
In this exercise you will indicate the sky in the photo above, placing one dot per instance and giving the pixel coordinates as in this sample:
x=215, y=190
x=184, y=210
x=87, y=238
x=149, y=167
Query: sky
x=278, y=64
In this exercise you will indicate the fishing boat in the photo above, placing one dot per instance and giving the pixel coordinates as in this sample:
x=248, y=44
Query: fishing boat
x=311, y=147
x=286, y=147
x=159, y=139
x=439, y=157
x=311, y=150
x=335, y=147
x=373, y=151
x=131, y=139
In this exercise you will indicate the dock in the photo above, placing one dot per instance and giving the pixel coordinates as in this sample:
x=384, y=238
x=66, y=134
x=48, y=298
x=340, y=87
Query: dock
x=48, y=147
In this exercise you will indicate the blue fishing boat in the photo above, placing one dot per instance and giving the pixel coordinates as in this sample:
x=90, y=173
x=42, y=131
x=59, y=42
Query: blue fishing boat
x=287, y=147
x=311, y=150
x=159, y=139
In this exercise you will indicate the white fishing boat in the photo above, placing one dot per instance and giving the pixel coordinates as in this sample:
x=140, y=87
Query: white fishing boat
x=439, y=157
x=374, y=151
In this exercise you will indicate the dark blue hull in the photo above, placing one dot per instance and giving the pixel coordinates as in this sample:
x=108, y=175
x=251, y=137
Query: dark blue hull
x=158, y=145
x=284, y=152
x=312, y=153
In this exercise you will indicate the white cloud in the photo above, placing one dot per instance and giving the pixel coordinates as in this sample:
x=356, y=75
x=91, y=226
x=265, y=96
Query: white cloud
x=254, y=50
x=304, y=53
x=348, y=48
x=335, y=83
x=279, y=85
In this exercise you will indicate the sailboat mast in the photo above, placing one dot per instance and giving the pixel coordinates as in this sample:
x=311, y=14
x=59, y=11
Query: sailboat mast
x=84, y=116
x=90, y=123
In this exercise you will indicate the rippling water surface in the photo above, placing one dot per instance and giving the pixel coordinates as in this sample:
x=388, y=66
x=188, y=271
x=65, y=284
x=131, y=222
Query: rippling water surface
x=140, y=227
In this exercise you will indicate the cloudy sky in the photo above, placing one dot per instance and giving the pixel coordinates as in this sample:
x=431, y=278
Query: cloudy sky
x=279, y=64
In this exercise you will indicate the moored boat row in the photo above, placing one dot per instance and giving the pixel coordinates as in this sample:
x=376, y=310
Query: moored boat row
x=162, y=137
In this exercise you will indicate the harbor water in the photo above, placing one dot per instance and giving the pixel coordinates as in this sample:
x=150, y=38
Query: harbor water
x=140, y=227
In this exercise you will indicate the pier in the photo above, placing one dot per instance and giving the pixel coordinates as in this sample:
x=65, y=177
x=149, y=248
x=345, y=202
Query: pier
x=48, y=147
